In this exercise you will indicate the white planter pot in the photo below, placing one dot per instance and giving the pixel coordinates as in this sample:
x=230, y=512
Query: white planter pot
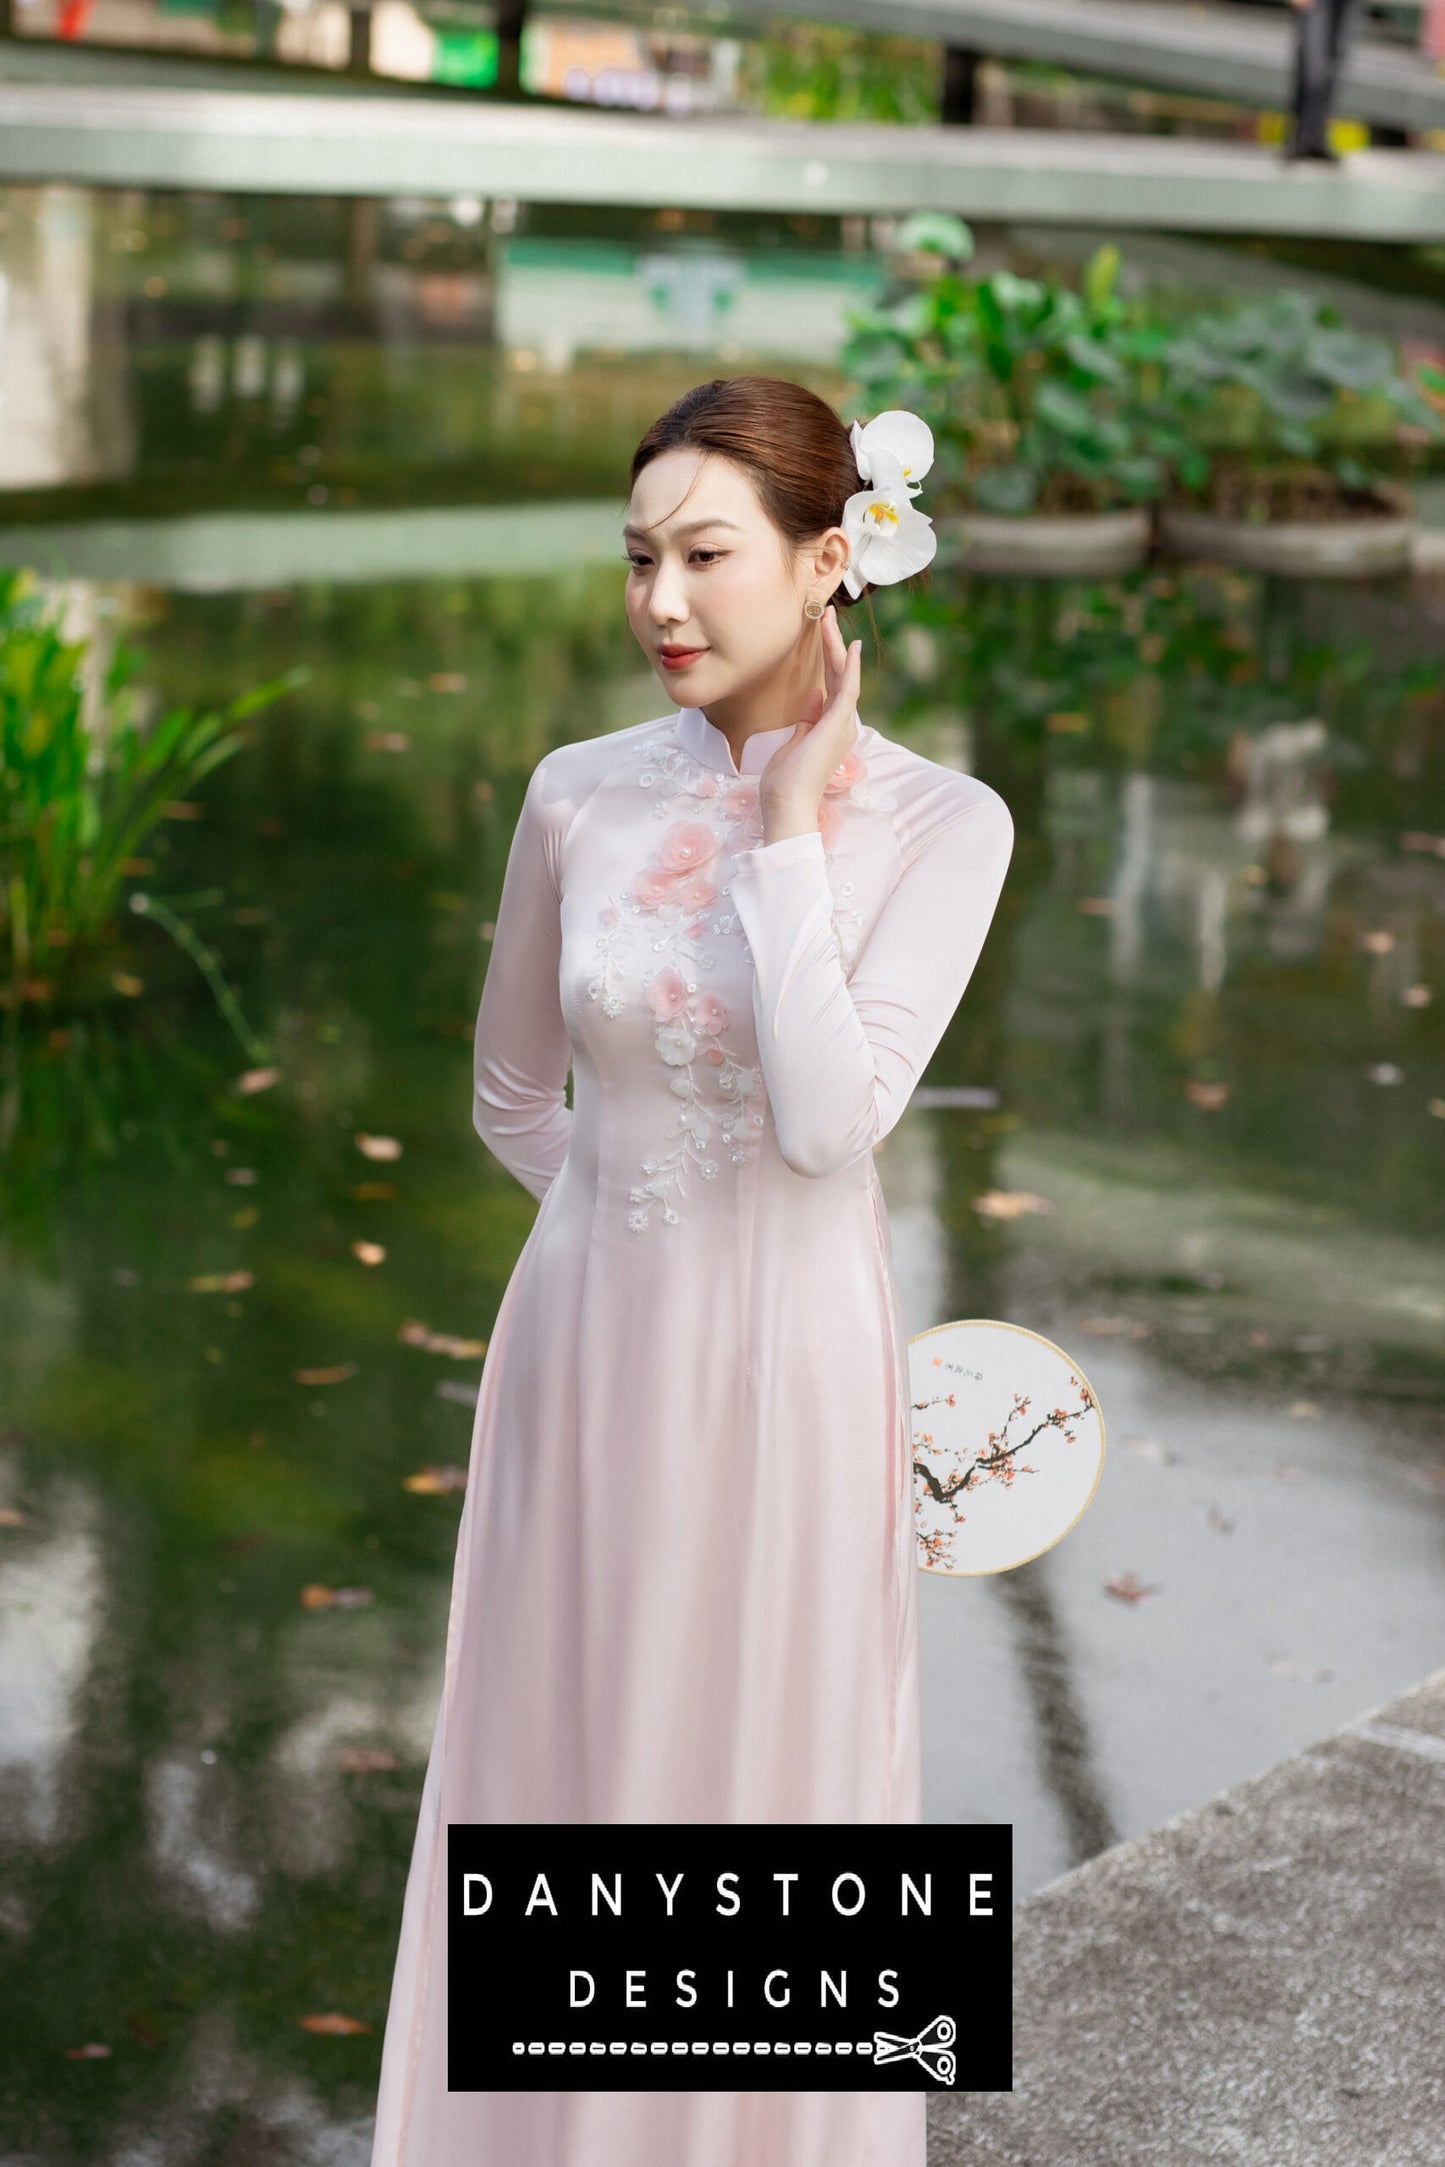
x=1070, y=545
x=1293, y=548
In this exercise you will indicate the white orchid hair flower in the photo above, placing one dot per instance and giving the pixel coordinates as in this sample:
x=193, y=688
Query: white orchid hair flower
x=887, y=538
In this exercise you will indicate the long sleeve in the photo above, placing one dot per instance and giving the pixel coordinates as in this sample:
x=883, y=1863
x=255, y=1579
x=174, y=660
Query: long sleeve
x=841, y=1055
x=521, y=1052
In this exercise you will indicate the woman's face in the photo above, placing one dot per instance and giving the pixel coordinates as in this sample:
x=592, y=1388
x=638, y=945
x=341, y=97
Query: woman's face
x=710, y=577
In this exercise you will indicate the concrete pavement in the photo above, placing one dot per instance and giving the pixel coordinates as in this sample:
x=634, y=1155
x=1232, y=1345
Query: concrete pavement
x=1260, y=1981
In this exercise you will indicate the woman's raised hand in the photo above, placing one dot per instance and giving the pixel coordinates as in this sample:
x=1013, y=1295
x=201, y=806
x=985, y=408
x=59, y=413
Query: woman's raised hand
x=790, y=788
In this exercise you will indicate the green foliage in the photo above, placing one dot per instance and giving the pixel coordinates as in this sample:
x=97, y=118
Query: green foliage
x=815, y=71
x=1040, y=396
x=1287, y=379
x=76, y=803
x=1046, y=396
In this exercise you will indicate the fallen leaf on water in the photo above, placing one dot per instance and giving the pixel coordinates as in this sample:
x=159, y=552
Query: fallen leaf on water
x=1418, y=839
x=377, y=1147
x=1436, y=1107
x=363, y=1760
x=256, y=1079
x=1385, y=1072
x=241, y=1177
x=1304, y=1407
x=1416, y=996
x=464, y=1395
x=1378, y=941
x=183, y=809
x=371, y=1192
x=92, y=2051
x=1128, y=1588
x=221, y=1282
x=368, y=1252
x=317, y=1596
x=447, y=681
x=125, y=982
x=386, y=741
x=332, y=2021
x=486, y=929
x=415, y=1334
x=247, y=1216
x=1208, y=1095
x=1096, y=906
x=338, y=1375
x=434, y=1481
x=1009, y=1203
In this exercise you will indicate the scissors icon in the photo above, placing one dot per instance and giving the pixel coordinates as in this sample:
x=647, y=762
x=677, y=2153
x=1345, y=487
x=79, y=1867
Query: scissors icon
x=929, y=2049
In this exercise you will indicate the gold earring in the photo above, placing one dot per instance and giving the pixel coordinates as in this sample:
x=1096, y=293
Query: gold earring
x=813, y=608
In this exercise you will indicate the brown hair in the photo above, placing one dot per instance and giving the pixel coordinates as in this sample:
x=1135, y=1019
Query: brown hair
x=791, y=443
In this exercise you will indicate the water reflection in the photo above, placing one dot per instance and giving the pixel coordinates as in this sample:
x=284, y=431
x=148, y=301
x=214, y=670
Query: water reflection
x=162, y=352
x=64, y=416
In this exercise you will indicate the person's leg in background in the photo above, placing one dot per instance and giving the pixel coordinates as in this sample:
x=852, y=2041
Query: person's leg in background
x=1323, y=30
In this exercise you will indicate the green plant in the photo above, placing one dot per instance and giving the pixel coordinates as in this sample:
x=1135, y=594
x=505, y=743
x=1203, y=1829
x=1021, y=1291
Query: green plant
x=1281, y=393
x=77, y=804
x=1041, y=397
x=823, y=71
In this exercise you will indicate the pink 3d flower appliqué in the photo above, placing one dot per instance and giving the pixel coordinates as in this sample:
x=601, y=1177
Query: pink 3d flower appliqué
x=675, y=898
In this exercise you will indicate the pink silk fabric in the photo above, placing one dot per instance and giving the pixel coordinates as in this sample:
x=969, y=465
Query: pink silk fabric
x=686, y=1580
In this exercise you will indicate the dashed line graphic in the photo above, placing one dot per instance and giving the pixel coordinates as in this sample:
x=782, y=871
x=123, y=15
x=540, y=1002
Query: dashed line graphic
x=932, y=2048
x=691, y=2046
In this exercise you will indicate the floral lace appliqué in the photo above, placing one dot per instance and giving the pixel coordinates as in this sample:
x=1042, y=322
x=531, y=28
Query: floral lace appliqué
x=674, y=903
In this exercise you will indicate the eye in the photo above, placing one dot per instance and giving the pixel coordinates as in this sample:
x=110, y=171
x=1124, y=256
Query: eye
x=709, y=556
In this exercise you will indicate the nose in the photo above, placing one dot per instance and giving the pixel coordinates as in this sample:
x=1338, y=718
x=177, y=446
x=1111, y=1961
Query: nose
x=666, y=603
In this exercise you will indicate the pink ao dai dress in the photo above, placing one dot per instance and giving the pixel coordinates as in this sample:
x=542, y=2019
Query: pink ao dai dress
x=686, y=1580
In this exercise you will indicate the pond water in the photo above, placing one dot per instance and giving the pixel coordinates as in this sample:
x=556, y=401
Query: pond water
x=1187, y=1123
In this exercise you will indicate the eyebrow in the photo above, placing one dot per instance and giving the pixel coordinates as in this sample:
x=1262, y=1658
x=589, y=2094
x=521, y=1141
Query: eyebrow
x=692, y=527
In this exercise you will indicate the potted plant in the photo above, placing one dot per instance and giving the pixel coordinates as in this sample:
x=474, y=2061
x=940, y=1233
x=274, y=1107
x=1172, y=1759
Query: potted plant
x=1052, y=437
x=1308, y=429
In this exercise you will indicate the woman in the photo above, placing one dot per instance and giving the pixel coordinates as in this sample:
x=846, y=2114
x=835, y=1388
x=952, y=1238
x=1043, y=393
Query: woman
x=686, y=1583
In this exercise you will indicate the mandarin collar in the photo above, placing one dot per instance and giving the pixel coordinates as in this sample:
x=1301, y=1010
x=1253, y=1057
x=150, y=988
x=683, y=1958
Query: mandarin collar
x=707, y=743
